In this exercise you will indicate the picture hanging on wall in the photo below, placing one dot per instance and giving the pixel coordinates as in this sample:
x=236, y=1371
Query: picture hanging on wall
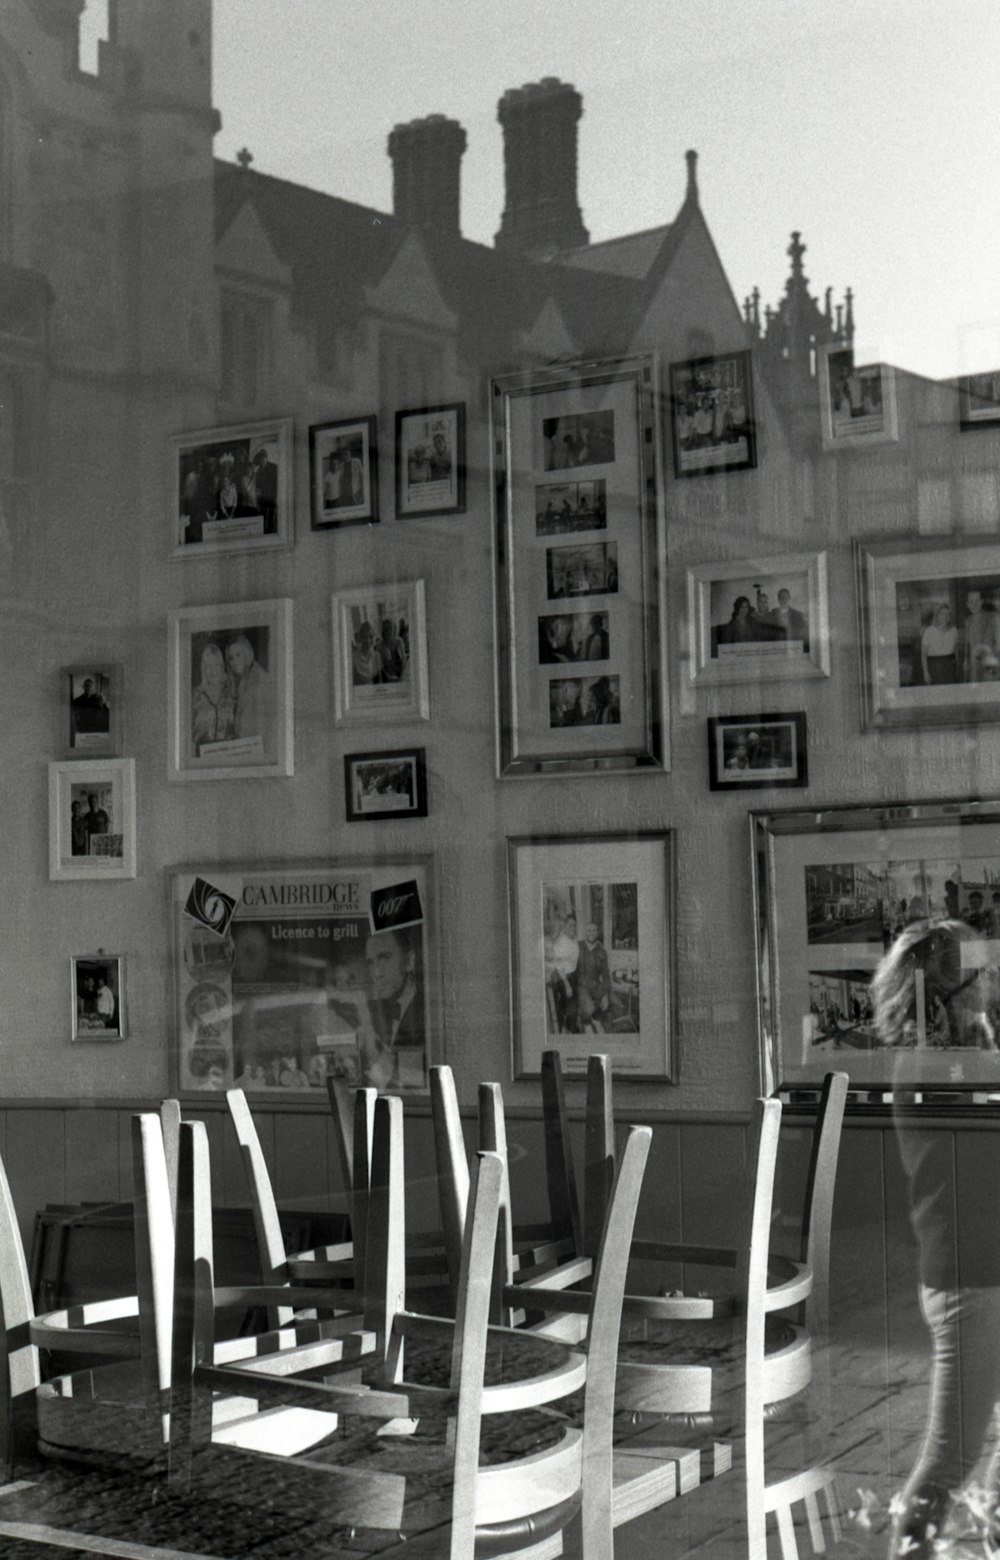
x=833, y=890
x=385, y=785
x=759, y=620
x=380, y=653
x=929, y=611
x=91, y=710
x=430, y=461
x=712, y=414
x=288, y=975
x=979, y=400
x=857, y=398
x=343, y=471
x=97, y=984
x=581, y=674
x=231, y=489
x=756, y=751
x=592, y=931
x=92, y=820
x=229, y=691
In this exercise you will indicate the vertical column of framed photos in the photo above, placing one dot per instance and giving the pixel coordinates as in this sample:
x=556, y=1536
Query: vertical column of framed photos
x=580, y=640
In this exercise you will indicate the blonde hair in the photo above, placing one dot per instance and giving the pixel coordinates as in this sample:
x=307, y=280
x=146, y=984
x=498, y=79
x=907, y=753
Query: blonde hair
x=929, y=946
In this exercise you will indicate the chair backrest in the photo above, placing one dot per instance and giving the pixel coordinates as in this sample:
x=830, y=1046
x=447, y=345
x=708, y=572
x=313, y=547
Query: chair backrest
x=752, y=1288
x=817, y=1214
x=341, y=1097
x=155, y=1223
x=564, y=1207
x=452, y=1166
x=19, y=1369
x=270, y=1240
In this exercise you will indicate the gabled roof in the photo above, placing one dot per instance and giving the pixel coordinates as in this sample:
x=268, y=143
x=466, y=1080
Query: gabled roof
x=631, y=255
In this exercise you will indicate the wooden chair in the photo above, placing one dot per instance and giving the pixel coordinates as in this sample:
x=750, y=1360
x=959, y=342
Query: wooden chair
x=19, y=1373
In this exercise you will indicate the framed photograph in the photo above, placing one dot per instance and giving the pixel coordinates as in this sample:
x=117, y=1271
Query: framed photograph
x=929, y=615
x=712, y=414
x=91, y=710
x=287, y=975
x=580, y=618
x=979, y=400
x=430, y=461
x=231, y=489
x=833, y=889
x=97, y=988
x=857, y=399
x=92, y=819
x=751, y=751
x=229, y=691
x=386, y=785
x=592, y=936
x=343, y=473
x=760, y=621
x=380, y=653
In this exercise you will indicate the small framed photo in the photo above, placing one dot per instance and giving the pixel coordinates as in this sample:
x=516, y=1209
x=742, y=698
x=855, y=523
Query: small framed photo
x=386, y=785
x=758, y=621
x=857, y=398
x=229, y=691
x=712, y=414
x=380, y=653
x=929, y=614
x=593, y=935
x=343, y=473
x=231, y=489
x=979, y=400
x=91, y=710
x=97, y=986
x=92, y=820
x=755, y=751
x=430, y=461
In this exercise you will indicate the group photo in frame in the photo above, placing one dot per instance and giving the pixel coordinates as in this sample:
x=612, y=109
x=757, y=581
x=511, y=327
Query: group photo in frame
x=857, y=398
x=430, y=461
x=758, y=620
x=230, y=489
x=380, y=653
x=290, y=974
x=92, y=820
x=592, y=939
x=97, y=1006
x=229, y=691
x=833, y=890
x=754, y=751
x=580, y=618
x=343, y=473
x=929, y=615
x=389, y=784
x=90, y=709
x=712, y=420
x=979, y=400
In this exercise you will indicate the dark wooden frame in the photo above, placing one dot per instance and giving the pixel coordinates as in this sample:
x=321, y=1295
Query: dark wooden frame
x=322, y=519
x=352, y=761
x=755, y=780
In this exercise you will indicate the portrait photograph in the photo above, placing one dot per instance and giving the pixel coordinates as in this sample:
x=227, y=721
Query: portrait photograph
x=230, y=691
x=386, y=785
x=98, y=997
x=857, y=398
x=92, y=819
x=979, y=399
x=231, y=489
x=91, y=710
x=573, y=636
x=430, y=461
x=583, y=570
x=712, y=414
x=570, y=506
x=760, y=620
x=578, y=439
x=757, y=751
x=585, y=701
x=380, y=652
x=929, y=610
x=592, y=947
x=324, y=969
x=343, y=468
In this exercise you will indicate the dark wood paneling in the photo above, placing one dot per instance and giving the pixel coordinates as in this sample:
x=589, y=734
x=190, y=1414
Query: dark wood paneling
x=92, y=1158
x=36, y=1163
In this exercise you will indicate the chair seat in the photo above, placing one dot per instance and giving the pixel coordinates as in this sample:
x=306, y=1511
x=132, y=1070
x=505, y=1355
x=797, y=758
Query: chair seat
x=677, y=1370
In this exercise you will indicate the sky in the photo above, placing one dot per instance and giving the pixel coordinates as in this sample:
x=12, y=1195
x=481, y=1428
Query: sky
x=869, y=125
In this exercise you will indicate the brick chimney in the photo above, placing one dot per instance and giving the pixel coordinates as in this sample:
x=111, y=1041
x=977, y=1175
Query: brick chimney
x=541, y=215
x=426, y=166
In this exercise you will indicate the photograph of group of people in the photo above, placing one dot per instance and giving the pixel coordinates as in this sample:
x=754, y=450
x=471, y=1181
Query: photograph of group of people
x=343, y=471
x=232, y=694
x=91, y=827
x=759, y=616
x=769, y=750
x=380, y=643
x=856, y=395
x=570, y=506
x=578, y=439
x=584, y=701
x=948, y=631
x=228, y=489
x=569, y=636
x=430, y=460
x=98, y=1003
x=712, y=402
x=384, y=784
x=586, y=570
x=591, y=958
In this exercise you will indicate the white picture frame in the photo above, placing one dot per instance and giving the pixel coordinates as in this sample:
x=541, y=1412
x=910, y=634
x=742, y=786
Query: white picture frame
x=95, y=839
x=379, y=635
x=223, y=721
x=230, y=489
x=786, y=636
x=857, y=398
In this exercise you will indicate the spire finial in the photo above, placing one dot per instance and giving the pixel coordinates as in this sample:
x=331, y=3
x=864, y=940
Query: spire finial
x=691, y=158
x=244, y=157
x=796, y=250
